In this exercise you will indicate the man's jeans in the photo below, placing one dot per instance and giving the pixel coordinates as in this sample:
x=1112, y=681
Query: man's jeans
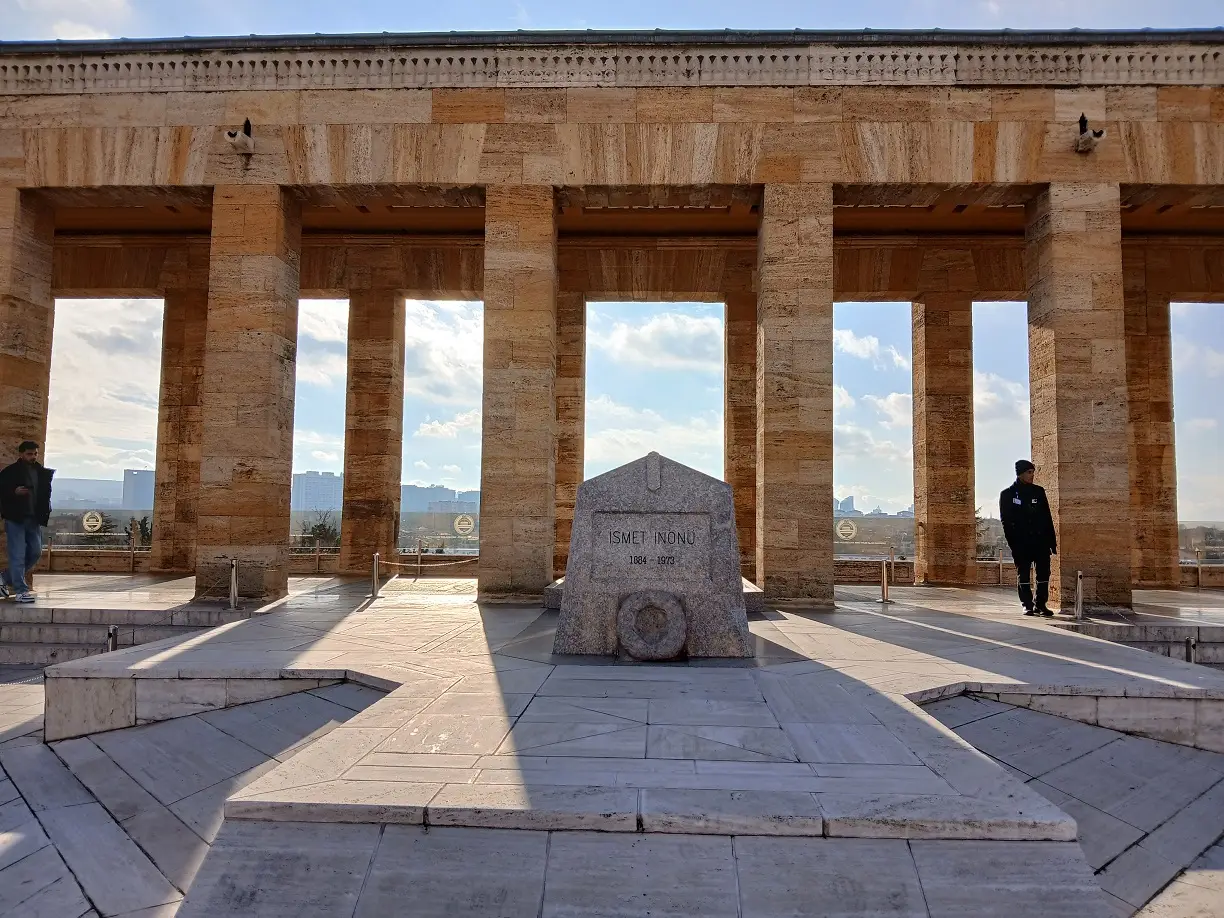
x=24, y=549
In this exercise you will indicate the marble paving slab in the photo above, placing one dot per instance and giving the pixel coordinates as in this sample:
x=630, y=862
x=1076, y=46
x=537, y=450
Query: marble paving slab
x=530, y=738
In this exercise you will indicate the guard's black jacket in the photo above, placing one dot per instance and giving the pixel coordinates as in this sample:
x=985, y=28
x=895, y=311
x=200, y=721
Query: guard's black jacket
x=1028, y=524
x=20, y=507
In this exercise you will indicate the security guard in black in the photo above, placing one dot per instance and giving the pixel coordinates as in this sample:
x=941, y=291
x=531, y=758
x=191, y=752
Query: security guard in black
x=1028, y=527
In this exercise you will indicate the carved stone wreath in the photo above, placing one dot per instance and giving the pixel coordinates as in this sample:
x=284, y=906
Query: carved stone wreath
x=651, y=625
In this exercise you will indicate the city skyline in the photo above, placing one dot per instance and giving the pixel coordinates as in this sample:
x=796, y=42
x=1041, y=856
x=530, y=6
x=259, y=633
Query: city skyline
x=105, y=380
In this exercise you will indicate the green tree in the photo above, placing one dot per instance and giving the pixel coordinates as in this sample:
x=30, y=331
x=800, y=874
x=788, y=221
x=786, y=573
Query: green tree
x=322, y=527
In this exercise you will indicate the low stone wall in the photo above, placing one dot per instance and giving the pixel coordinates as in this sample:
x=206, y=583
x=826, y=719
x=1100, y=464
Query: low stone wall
x=1187, y=717
x=1202, y=644
x=1211, y=576
x=857, y=570
x=80, y=706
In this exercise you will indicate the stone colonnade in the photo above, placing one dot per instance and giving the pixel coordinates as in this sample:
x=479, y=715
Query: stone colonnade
x=1099, y=345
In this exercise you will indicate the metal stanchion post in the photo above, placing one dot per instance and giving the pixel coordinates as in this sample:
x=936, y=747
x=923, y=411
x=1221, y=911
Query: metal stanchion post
x=233, y=590
x=1190, y=650
x=1079, y=595
x=884, y=584
x=999, y=551
x=374, y=577
x=318, y=558
x=418, y=559
x=112, y=638
x=1198, y=567
x=892, y=563
x=133, y=535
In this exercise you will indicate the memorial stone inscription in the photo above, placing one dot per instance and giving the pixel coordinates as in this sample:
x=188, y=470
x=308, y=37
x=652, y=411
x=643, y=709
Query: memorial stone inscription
x=653, y=568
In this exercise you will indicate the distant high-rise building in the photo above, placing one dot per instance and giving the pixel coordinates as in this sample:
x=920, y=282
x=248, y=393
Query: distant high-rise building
x=473, y=496
x=416, y=499
x=137, y=489
x=907, y=513
x=845, y=507
x=313, y=491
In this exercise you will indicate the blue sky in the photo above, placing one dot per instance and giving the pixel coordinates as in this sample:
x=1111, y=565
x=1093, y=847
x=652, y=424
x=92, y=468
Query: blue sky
x=152, y=18
x=670, y=401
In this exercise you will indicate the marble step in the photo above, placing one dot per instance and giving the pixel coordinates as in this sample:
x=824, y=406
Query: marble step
x=89, y=635
x=40, y=613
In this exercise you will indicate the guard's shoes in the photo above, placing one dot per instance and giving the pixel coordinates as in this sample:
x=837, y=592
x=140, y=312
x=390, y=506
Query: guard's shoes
x=1044, y=612
x=5, y=592
x=1028, y=611
x=26, y=597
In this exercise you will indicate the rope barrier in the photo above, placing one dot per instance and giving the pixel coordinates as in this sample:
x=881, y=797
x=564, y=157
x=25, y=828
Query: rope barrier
x=431, y=564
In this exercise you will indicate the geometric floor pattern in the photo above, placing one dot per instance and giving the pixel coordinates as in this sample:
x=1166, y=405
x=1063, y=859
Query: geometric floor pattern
x=498, y=779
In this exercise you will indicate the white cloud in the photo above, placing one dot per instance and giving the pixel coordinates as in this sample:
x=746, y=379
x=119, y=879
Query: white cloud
x=74, y=19
x=841, y=399
x=999, y=399
x=667, y=341
x=897, y=408
x=323, y=320
x=453, y=469
x=324, y=456
x=421, y=464
x=867, y=347
x=617, y=434
x=1197, y=424
x=463, y=422
x=1188, y=354
x=315, y=369
x=105, y=384
x=67, y=30
x=304, y=438
x=853, y=443
x=443, y=354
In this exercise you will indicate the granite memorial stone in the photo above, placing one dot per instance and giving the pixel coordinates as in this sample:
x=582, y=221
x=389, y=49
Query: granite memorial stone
x=654, y=569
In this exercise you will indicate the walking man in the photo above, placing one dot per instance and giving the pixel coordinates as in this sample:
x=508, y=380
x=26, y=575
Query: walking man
x=25, y=504
x=1028, y=527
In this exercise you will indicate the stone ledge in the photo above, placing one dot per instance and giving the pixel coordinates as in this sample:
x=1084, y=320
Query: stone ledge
x=754, y=596
x=1195, y=720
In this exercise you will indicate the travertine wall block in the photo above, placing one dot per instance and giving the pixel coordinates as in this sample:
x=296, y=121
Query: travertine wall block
x=519, y=426
x=740, y=420
x=1078, y=386
x=373, y=428
x=794, y=467
x=26, y=316
x=945, y=529
x=571, y=416
x=179, y=435
x=247, y=392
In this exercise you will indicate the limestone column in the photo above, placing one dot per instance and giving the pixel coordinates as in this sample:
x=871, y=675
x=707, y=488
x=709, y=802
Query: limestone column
x=794, y=421
x=27, y=309
x=177, y=479
x=1077, y=382
x=1153, y=467
x=519, y=427
x=246, y=394
x=27, y=229
x=945, y=528
x=373, y=428
x=739, y=421
x=571, y=416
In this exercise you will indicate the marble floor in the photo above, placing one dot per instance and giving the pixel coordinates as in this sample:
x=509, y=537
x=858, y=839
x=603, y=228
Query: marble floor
x=716, y=771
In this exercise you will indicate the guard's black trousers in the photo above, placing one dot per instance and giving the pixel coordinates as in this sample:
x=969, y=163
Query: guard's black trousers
x=1026, y=560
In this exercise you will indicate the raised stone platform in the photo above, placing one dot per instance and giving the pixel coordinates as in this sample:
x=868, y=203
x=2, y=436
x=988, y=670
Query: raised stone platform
x=820, y=734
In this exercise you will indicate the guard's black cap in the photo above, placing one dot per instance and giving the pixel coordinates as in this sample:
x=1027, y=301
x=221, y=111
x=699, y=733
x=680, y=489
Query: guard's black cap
x=1023, y=465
